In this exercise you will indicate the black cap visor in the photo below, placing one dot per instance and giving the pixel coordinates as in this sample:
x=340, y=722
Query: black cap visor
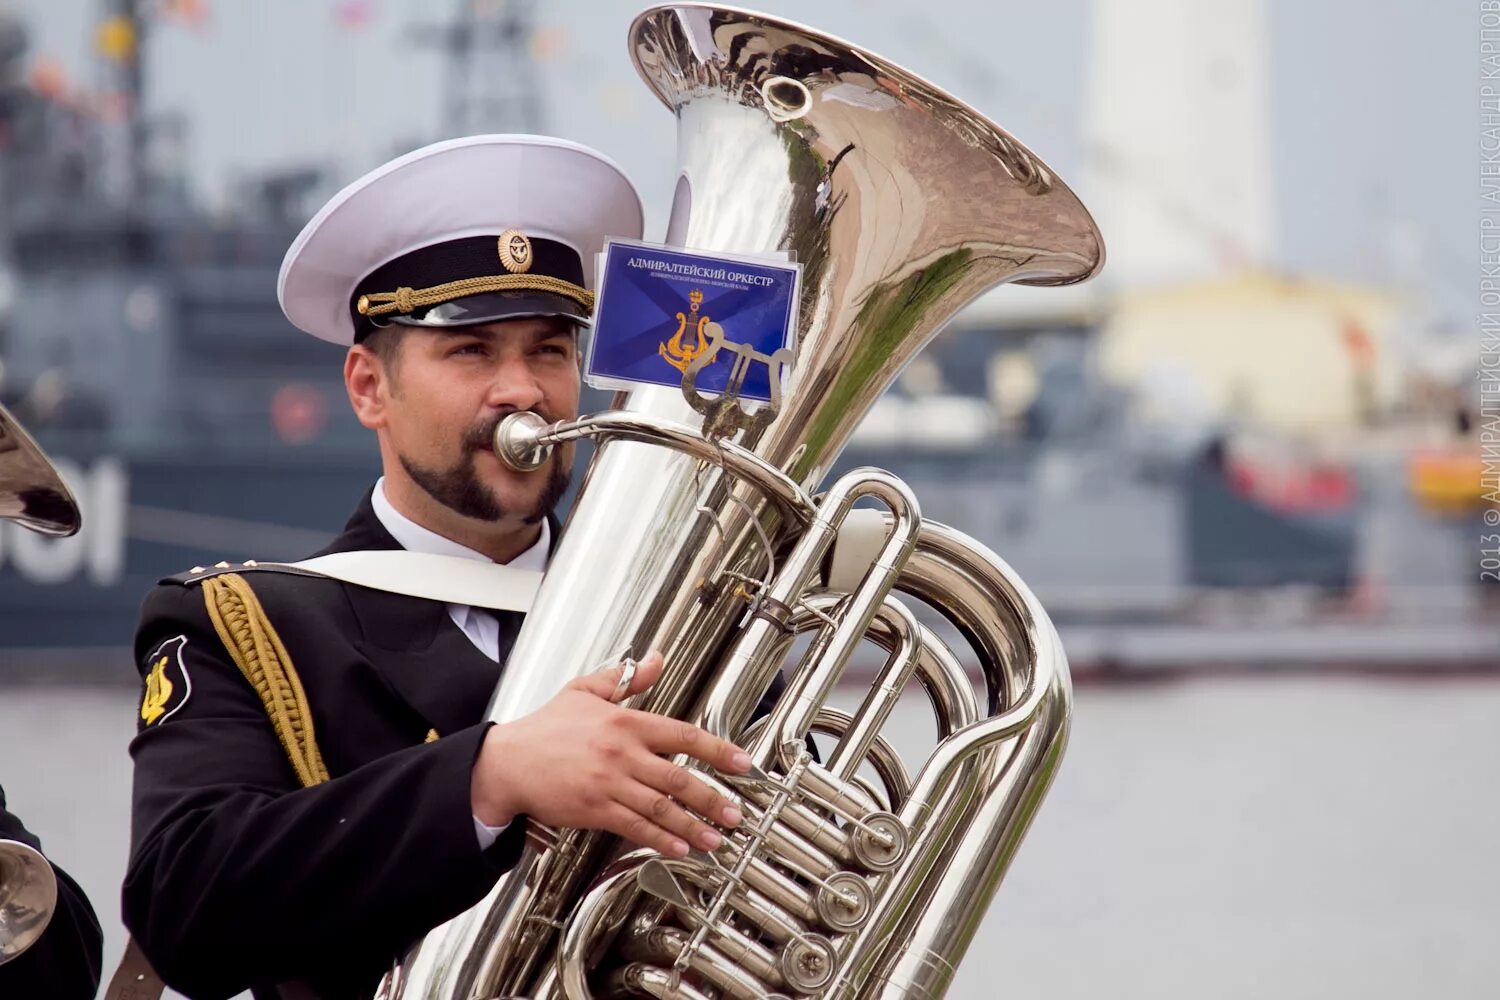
x=494, y=307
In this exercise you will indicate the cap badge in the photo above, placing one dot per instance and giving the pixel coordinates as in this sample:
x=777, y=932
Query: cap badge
x=515, y=251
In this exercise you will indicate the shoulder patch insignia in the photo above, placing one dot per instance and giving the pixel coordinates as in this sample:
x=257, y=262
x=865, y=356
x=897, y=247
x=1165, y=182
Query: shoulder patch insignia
x=167, y=683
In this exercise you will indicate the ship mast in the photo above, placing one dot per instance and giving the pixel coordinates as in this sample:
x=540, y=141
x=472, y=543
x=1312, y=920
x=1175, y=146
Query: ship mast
x=492, y=81
x=126, y=136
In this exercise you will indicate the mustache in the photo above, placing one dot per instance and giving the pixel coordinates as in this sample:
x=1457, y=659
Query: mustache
x=481, y=437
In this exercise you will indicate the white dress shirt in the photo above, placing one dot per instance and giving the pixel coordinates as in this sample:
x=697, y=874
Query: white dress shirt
x=479, y=624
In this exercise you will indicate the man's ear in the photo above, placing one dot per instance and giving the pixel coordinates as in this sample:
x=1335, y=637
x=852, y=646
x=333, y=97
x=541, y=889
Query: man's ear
x=367, y=380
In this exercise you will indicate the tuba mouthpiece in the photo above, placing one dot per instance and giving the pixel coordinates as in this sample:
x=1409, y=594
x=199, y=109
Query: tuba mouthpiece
x=518, y=441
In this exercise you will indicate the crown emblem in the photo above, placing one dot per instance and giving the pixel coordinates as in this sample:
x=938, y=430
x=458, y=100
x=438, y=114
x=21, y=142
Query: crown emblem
x=515, y=251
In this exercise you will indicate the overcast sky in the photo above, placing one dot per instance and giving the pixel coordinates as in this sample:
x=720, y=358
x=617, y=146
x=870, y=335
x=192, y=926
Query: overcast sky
x=1374, y=102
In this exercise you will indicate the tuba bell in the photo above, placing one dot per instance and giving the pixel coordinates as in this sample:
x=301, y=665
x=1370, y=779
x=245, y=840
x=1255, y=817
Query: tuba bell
x=34, y=495
x=28, y=897
x=701, y=535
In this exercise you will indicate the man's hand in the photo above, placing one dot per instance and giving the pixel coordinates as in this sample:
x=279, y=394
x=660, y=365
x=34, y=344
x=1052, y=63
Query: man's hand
x=581, y=761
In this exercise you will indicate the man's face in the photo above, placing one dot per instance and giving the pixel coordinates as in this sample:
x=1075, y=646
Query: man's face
x=447, y=391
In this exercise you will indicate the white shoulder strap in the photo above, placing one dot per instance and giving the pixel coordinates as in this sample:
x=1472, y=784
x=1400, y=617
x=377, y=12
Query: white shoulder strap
x=450, y=579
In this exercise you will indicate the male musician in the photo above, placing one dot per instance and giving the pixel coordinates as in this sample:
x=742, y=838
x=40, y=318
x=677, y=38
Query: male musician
x=314, y=785
x=64, y=962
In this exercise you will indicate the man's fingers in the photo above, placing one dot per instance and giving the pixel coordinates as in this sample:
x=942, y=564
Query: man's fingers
x=659, y=808
x=636, y=828
x=600, y=683
x=686, y=787
x=672, y=736
x=646, y=672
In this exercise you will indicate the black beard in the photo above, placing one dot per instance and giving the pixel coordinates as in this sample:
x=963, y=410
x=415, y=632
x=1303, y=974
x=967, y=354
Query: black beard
x=459, y=488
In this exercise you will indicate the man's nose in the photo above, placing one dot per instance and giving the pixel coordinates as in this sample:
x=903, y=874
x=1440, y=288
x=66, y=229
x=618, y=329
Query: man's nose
x=515, y=386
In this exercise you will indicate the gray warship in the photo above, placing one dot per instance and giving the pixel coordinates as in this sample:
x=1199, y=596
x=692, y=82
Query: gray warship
x=141, y=342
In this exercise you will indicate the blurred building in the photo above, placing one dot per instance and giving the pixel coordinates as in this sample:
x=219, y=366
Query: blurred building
x=1255, y=349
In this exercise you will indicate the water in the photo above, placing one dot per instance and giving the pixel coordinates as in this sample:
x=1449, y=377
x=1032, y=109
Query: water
x=1229, y=837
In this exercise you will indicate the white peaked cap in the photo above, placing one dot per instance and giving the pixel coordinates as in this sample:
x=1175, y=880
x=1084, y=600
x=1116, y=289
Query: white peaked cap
x=479, y=185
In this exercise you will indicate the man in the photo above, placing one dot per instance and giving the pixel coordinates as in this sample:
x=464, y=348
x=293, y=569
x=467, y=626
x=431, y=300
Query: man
x=63, y=963
x=295, y=830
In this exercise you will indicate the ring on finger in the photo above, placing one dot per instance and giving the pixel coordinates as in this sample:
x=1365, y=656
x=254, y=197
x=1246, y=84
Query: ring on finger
x=627, y=674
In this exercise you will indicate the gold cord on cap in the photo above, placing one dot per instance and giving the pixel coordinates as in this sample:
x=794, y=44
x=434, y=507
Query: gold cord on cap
x=405, y=300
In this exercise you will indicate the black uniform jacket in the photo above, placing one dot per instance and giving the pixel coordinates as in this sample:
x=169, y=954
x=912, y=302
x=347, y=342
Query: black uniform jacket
x=239, y=878
x=63, y=964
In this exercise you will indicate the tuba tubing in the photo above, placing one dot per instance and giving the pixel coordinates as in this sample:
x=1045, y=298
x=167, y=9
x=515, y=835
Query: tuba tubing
x=956, y=866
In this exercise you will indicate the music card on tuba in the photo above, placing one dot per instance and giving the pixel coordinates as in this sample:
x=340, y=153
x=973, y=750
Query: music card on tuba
x=665, y=314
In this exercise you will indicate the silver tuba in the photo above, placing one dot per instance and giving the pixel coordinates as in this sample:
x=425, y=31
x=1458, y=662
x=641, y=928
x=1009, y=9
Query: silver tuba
x=33, y=495
x=698, y=532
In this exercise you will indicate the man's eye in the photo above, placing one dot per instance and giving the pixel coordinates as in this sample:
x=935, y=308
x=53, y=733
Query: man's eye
x=560, y=349
x=473, y=348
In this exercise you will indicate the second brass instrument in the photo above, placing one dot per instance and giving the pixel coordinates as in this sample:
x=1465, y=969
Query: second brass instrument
x=33, y=495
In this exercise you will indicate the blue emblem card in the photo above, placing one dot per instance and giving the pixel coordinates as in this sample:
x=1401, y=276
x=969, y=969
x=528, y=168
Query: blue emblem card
x=661, y=307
